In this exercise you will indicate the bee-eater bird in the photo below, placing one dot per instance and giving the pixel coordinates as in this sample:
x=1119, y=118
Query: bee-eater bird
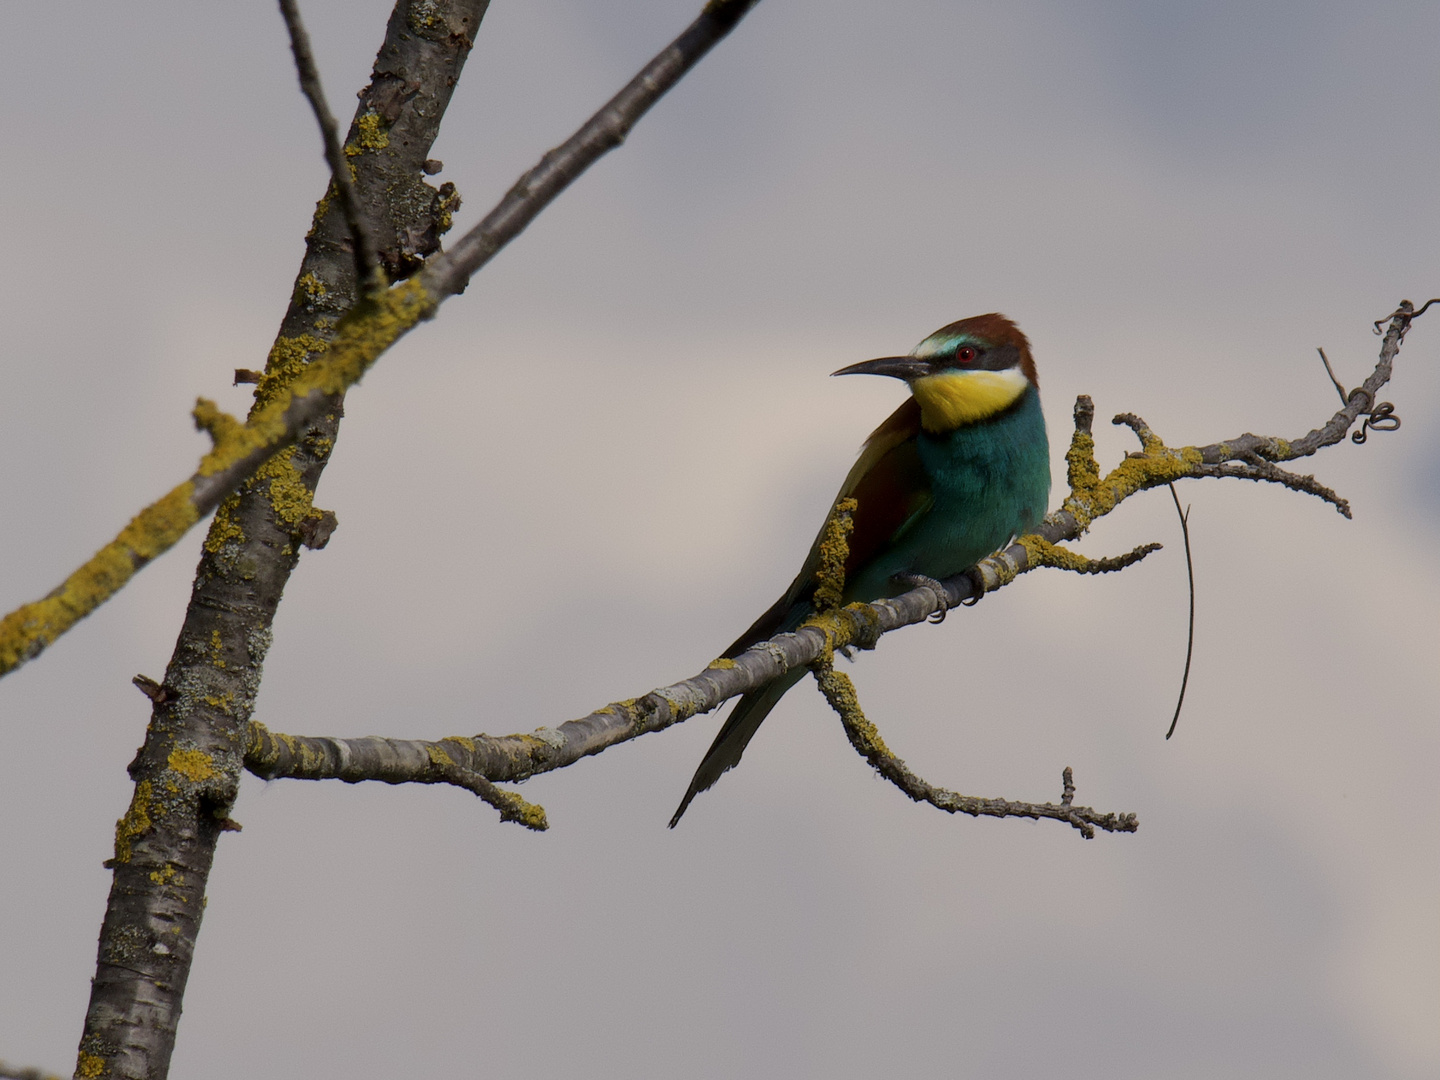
x=955, y=473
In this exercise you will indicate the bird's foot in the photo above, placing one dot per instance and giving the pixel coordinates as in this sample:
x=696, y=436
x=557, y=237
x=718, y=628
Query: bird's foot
x=914, y=581
x=978, y=580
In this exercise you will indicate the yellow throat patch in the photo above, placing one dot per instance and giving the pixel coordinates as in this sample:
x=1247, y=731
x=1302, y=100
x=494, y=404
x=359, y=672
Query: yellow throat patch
x=952, y=399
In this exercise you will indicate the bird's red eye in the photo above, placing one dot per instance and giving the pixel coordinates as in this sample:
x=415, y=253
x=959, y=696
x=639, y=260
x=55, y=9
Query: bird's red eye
x=964, y=355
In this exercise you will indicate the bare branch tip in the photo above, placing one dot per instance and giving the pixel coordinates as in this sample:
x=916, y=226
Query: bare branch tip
x=370, y=277
x=1403, y=315
x=1137, y=425
x=1344, y=399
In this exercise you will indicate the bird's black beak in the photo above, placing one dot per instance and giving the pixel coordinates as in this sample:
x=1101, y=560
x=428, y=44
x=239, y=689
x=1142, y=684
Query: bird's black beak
x=897, y=367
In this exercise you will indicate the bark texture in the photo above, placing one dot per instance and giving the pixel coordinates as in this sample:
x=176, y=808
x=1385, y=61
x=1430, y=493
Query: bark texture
x=187, y=772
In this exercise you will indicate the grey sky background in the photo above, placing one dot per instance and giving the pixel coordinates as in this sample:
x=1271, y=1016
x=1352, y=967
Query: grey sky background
x=593, y=469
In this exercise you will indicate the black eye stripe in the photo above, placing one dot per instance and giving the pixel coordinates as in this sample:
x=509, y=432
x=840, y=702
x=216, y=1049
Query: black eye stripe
x=980, y=358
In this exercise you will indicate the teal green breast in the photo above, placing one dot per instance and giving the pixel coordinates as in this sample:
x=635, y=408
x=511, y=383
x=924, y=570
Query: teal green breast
x=990, y=481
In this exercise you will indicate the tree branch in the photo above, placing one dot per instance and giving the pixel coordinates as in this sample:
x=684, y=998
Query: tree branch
x=307, y=370
x=366, y=259
x=840, y=692
x=509, y=758
x=864, y=736
x=604, y=131
x=187, y=772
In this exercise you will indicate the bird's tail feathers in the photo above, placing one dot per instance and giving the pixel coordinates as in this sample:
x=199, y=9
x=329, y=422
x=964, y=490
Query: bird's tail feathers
x=735, y=734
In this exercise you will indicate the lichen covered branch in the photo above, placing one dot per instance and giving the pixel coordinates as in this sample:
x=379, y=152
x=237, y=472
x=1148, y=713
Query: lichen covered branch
x=307, y=371
x=187, y=773
x=839, y=691
x=864, y=736
x=286, y=410
x=1092, y=495
x=392, y=761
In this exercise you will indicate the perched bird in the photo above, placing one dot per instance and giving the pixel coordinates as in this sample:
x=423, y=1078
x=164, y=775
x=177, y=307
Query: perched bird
x=956, y=472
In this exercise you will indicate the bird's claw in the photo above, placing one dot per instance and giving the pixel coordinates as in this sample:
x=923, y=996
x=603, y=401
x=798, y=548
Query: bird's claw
x=914, y=581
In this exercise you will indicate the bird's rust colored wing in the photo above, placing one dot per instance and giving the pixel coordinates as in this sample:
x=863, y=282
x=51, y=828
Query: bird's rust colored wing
x=890, y=486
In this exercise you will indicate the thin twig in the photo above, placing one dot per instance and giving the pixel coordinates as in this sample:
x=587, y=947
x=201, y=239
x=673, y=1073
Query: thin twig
x=839, y=691
x=1248, y=465
x=1190, y=641
x=1406, y=311
x=604, y=131
x=367, y=260
x=1339, y=389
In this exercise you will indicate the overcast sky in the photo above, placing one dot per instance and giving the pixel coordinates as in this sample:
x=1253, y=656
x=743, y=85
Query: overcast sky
x=600, y=463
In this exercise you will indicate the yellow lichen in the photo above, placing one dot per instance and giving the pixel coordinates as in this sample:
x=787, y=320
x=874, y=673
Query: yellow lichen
x=195, y=765
x=224, y=430
x=135, y=823
x=829, y=624
x=530, y=815
x=90, y=1066
x=1084, y=470
x=449, y=203
x=258, y=750
x=722, y=664
x=467, y=743
x=425, y=16
x=289, y=495
x=371, y=328
x=309, y=289
x=224, y=528
x=1040, y=552
x=162, y=877
x=321, y=209
x=26, y=632
x=834, y=550
x=1092, y=497
x=370, y=134
x=438, y=756
x=222, y=702
x=840, y=692
x=288, y=358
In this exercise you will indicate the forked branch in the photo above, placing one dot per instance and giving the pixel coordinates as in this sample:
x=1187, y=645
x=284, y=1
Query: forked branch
x=365, y=333
x=1092, y=496
x=864, y=736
